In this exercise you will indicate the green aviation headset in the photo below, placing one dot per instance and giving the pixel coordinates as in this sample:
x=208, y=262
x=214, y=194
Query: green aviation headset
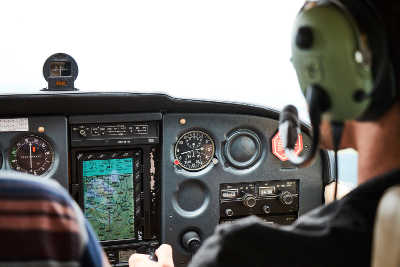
x=341, y=55
x=342, y=48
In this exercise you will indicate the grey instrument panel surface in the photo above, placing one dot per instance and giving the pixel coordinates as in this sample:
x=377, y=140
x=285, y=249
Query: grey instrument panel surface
x=190, y=200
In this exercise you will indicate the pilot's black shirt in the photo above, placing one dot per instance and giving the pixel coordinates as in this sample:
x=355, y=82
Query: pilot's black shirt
x=338, y=234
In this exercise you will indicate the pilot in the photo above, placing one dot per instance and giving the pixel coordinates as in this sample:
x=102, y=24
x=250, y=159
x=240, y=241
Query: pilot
x=339, y=233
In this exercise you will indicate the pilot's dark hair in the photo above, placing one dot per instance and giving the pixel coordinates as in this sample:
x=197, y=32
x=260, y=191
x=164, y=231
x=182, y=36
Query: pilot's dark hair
x=389, y=11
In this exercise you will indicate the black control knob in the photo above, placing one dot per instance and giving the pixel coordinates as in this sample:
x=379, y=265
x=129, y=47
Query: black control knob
x=266, y=209
x=229, y=212
x=249, y=201
x=83, y=132
x=304, y=38
x=286, y=198
x=191, y=241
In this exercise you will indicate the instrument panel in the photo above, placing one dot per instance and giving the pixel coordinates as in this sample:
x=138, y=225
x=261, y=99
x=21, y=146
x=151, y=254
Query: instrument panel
x=243, y=161
x=162, y=170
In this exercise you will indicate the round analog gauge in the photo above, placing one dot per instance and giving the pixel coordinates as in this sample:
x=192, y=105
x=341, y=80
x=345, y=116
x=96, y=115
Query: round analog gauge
x=31, y=154
x=194, y=150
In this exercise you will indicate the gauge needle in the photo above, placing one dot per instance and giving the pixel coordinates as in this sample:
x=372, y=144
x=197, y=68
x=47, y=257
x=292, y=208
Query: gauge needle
x=186, y=152
x=30, y=154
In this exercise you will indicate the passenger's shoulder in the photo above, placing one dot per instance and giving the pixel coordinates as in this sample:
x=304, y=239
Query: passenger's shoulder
x=22, y=186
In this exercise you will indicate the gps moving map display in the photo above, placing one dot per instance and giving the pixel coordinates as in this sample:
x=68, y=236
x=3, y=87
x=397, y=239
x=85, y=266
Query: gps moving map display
x=108, y=197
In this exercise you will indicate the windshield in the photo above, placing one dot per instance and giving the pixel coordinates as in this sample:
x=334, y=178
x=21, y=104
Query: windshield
x=236, y=51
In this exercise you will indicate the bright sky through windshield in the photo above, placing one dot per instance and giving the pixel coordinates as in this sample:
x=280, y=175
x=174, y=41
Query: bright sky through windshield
x=228, y=50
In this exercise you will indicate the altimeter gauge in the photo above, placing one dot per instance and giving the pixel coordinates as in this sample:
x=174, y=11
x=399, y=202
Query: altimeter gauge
x=194, y=150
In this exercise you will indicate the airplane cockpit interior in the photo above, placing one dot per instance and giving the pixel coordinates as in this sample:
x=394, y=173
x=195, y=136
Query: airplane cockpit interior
x=163, y=167
x=148, y=169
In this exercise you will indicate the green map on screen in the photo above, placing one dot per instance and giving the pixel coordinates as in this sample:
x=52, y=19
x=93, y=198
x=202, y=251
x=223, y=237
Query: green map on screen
x=108, y=197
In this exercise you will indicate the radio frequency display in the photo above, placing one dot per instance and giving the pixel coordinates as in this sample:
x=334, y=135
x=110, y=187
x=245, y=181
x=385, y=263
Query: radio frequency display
x=108, y=196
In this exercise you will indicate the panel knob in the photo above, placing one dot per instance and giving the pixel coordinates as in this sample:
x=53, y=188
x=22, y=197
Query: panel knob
x=83, y=132
x=249, y=201
x=229, y=212
x=286, y=198
x=191, y=241
x=266, y=209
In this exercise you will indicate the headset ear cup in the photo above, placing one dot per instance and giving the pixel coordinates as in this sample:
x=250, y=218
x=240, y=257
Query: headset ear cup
x=385, y=90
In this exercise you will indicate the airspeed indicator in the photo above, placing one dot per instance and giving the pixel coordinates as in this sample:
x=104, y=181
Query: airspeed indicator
x=194, y=150
x=31, y=154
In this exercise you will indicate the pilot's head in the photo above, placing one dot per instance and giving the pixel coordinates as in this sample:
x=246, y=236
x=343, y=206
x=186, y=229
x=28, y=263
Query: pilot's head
x=350, y=50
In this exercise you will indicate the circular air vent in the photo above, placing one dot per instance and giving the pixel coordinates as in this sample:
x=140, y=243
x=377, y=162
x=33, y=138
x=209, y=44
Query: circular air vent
x=242, y=148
